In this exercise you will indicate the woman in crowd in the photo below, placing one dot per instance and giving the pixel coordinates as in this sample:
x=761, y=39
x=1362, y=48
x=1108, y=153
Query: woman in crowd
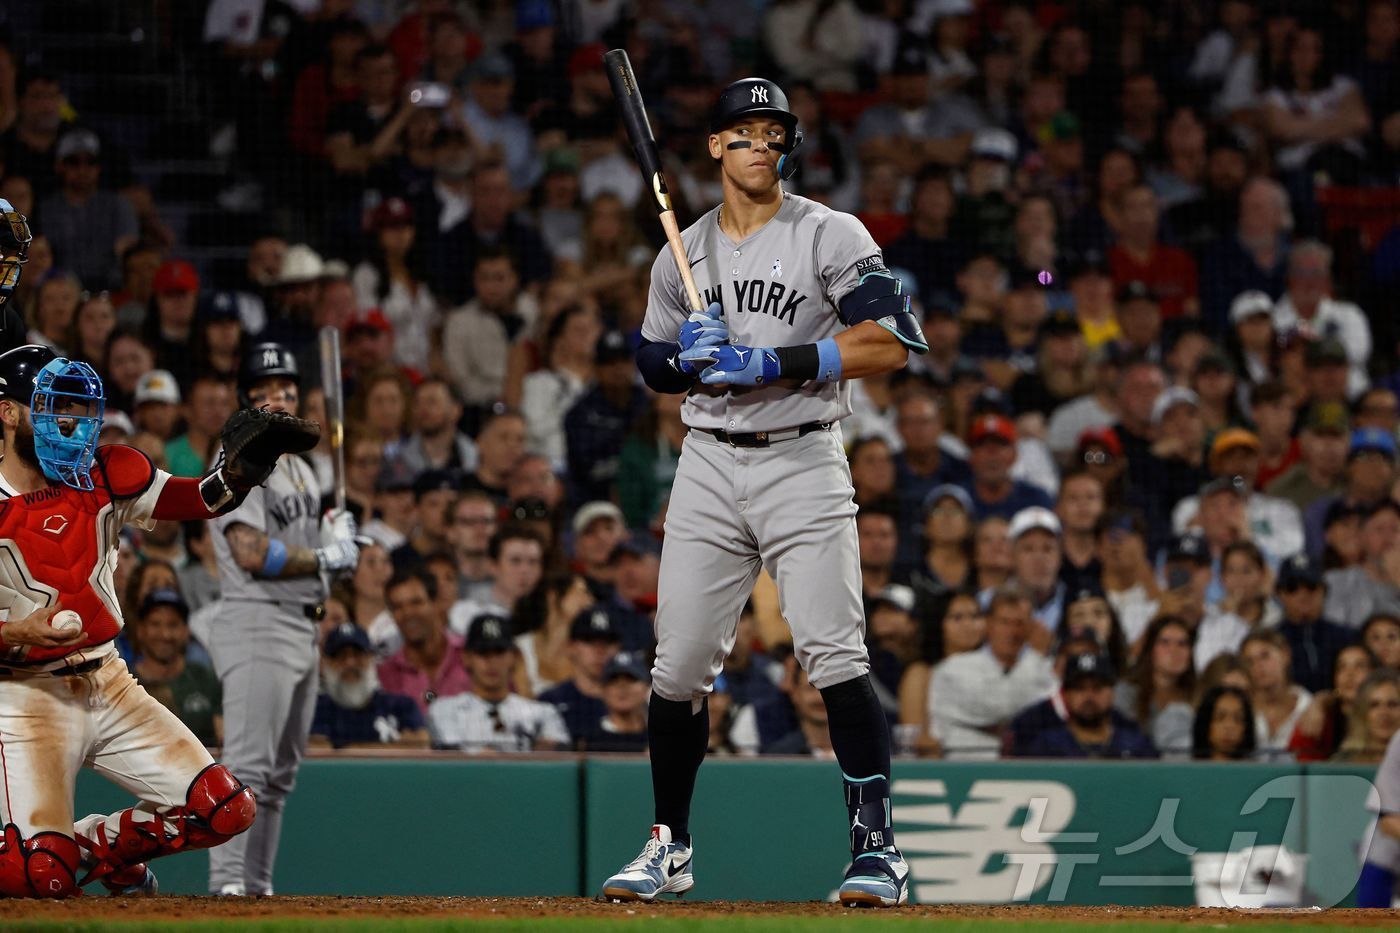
x=379, y=407
x=1247, y=604
x=218, y=338
x=1157, y=692
x=92, y=325
x=1278, y=702
x=1342, y=535
x=548, y=394
x=647, y=465
x=1216, y=386
x=991, y=553
x=613, y=248
x=364, y=462
x=1224, y=728
x=527, y=352
x=541, y=621
x=364, y=597
x=1381, y=635
x=127, y=359
x=54, y=309
x=1089, y=611
x=947, y=565
x=1375, y=717
x=1322, y=727
x=872, y=470
x=961, y=628
x=391, y=279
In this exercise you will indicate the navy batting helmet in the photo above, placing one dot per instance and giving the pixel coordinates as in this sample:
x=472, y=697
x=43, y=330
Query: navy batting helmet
x=759, y=97
x=263, y=361
x=18, y=367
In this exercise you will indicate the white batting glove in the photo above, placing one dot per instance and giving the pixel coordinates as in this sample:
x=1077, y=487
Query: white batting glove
x=338, y=525
x=337, y=557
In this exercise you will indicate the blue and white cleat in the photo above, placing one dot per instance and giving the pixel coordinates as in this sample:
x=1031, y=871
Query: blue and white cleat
x=662, y=868
x=876, y=879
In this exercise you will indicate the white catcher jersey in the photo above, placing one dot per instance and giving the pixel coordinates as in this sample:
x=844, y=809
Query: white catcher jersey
x=288, y=508
x=780, y=287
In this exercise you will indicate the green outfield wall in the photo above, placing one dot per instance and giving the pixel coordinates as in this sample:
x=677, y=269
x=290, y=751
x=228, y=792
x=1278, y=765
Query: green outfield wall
x=994, y=832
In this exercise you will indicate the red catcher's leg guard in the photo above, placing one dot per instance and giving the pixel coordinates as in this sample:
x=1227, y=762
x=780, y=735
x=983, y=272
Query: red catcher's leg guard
x=44, y=866
x=222, y=802
x=217, y=808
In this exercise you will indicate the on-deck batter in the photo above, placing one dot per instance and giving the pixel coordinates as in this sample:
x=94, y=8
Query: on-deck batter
x=799, y=299
x=272, y=552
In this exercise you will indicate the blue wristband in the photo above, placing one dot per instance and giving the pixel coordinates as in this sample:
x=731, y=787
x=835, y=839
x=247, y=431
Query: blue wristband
x=828, y=360
x=276, y=558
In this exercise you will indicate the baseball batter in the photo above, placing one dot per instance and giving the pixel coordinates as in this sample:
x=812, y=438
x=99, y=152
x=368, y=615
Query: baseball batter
x=66, y=698
x=273, y=552
x=799, y=300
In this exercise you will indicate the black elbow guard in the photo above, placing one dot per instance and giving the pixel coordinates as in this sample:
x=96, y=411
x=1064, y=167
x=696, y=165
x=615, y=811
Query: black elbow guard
x=880, y=298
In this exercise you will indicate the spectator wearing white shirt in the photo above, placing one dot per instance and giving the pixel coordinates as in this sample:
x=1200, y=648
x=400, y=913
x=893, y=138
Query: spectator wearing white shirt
x=570, y=349
x=392, y=281
x=489, y=717
x=975, y=694
x=1308, y=306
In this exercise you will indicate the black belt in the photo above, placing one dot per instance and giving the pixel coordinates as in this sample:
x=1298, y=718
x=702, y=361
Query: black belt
x=313, y=611
x=765, y=438
x=72, y=670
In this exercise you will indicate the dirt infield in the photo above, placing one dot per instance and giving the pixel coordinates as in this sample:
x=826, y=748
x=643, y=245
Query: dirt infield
x=329, y=908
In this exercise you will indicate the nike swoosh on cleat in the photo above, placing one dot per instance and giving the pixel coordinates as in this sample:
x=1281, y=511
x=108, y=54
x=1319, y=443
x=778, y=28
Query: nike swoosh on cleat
x=677, y=869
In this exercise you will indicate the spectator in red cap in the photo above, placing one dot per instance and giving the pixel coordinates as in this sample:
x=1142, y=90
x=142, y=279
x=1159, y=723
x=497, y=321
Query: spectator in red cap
x=991, y=446
x=170, y=324
x=1101, y=455
x=391, y=280
x=369, y=342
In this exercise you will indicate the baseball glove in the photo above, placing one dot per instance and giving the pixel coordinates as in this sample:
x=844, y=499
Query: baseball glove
x=253, y=439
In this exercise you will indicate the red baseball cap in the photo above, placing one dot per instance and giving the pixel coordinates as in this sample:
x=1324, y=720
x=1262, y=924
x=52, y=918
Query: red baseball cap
x=371, y=320
x=175, y=275
x=586, y=58
x=1107, y=438
x=993, y=426
x=391, y=212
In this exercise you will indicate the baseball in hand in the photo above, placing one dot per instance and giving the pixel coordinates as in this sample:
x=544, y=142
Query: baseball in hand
x=66, y=621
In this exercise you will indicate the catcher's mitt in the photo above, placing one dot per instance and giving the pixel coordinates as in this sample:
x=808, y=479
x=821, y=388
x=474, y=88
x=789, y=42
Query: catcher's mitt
x=253, y=439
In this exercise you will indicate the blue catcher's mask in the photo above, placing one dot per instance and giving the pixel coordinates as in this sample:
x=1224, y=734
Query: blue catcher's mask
x=66, y=411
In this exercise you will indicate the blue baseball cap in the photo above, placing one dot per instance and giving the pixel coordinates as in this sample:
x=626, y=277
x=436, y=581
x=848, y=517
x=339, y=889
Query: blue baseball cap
x=1372, y=439
x=948, y=491
x=345, y=635
x=627, y=664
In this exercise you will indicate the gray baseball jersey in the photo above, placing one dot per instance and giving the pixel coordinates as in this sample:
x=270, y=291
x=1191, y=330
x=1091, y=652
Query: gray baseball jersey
x=286, y=508
x=264, y=650
x=780, y=287
x=789, y=507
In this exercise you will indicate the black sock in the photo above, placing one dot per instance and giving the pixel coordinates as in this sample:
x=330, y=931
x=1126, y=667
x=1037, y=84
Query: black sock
x=678, y=740
x=860, y=736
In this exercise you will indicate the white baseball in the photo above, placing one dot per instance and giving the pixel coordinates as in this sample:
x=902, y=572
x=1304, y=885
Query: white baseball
x=66, y=621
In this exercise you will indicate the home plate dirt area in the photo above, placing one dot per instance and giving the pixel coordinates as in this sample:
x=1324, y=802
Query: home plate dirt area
x=516, y=913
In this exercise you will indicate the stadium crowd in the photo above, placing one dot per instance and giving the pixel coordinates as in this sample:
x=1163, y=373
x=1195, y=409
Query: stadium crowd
x=1139, y=498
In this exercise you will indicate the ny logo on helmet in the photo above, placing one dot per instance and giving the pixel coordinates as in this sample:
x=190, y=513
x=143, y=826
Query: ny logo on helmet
x=271, y=358
x=760, y=94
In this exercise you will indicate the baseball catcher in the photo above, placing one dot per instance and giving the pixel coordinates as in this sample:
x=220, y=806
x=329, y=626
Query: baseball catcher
x=66, y=698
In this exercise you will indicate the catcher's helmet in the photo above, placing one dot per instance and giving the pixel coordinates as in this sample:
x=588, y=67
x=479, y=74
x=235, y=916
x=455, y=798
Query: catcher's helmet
x=18, y=367
x=15, y=238
x=263, y=361
x=759, y=97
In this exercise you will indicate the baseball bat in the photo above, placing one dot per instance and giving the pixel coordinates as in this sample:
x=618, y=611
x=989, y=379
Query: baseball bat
x=335, y=407
x=634, y=117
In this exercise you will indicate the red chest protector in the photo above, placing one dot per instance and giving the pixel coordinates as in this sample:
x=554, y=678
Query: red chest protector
x=58, y=545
